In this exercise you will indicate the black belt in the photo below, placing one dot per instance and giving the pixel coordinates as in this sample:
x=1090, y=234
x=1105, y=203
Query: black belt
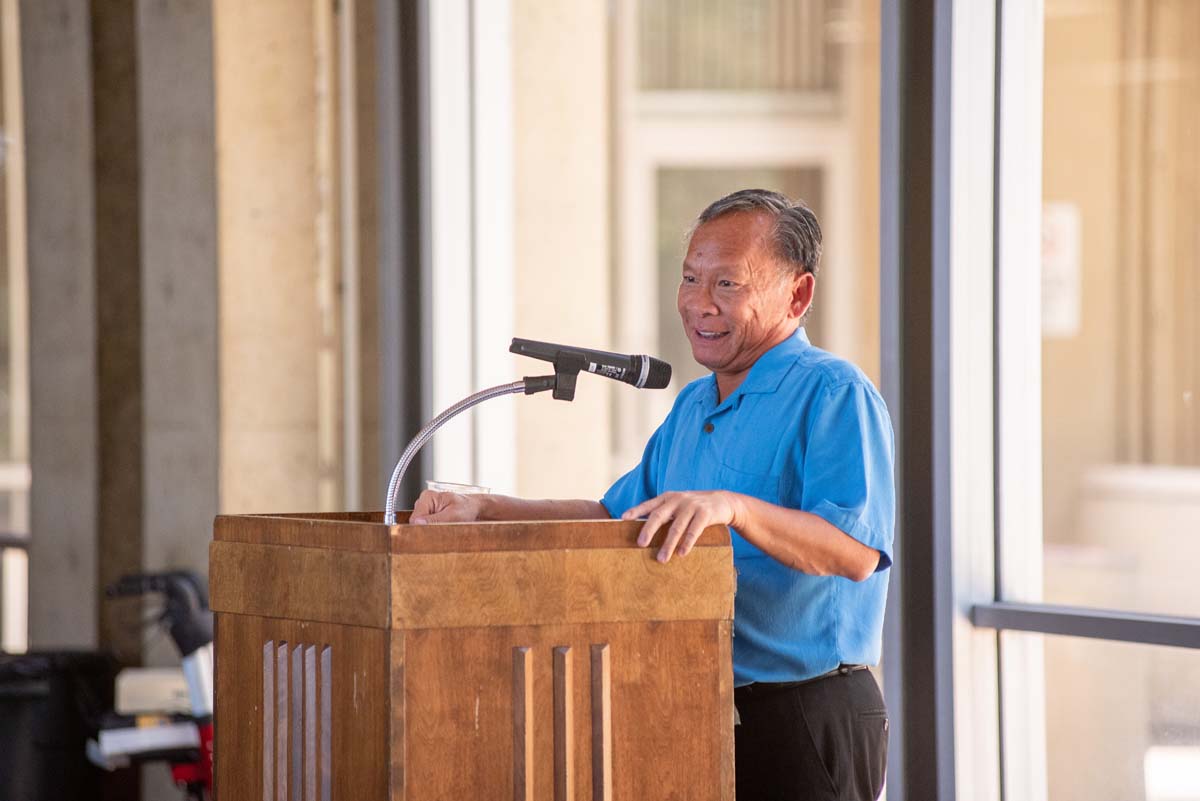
x=762, y=688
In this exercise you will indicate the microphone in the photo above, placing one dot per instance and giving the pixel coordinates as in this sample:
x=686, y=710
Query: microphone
x=640, y=371
x=643, y=372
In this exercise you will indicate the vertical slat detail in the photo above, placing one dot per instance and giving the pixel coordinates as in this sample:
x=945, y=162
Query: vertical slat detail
x=602, y=769
x=297, y=720
x=326, y=770
x=296, y=681
x=310, y=723
x=268, y=721
x=522, y=724
x=281, y=722
x=564, y=726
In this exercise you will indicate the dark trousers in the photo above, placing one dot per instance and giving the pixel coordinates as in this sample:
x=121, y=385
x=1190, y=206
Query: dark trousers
x=822, y=740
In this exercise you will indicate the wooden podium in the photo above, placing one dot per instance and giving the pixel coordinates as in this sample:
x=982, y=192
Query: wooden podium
x=554, y=660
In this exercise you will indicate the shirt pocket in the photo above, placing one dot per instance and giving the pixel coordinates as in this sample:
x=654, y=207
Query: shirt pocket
x=763, y=486
x=750, y=451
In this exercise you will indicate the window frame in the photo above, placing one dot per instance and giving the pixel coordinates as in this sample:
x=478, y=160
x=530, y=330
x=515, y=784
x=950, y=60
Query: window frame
x=446, y=254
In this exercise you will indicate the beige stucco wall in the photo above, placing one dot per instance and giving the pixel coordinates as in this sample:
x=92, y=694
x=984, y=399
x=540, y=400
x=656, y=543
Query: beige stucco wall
x=1120, y=103
x=1080, y=166
x=561, y=242
x=862, y=96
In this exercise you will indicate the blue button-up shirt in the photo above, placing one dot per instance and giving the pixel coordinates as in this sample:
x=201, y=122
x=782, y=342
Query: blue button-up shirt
x=805, y=430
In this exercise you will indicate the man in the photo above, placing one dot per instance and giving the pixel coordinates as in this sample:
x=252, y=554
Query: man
x=792, y=449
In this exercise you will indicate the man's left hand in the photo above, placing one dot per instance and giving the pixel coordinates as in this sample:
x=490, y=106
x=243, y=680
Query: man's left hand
x=689, y=513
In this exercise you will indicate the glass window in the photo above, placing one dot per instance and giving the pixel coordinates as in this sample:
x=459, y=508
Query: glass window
x=1122, y=720
x=1120, y=289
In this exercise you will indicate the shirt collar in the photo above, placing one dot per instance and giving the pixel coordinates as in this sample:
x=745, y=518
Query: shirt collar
x=765, y=374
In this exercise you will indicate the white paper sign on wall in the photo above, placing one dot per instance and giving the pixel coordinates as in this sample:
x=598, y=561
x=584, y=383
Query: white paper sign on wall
x=1061, y=284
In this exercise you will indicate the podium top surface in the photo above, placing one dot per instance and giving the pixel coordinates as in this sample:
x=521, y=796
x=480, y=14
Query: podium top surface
x=350, y=568
x=365, y=532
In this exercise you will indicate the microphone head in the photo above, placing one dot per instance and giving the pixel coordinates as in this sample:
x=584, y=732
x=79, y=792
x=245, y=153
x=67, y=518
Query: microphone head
x=545, y=351
x=659, y=374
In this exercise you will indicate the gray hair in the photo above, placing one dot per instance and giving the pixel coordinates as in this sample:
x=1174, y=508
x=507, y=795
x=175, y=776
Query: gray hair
x=797, y=235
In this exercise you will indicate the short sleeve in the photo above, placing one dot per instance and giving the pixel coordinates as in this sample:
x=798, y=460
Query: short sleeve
x=640, y=483
x=847, y=474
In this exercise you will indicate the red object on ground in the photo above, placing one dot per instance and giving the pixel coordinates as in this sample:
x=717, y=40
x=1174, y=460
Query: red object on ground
x=191, y=774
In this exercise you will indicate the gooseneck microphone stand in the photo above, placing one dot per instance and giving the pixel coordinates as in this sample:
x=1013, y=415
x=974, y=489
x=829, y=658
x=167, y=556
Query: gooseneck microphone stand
x=566, y=371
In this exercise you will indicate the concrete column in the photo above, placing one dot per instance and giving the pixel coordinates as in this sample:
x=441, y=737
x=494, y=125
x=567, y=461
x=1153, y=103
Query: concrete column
x=179, y=302
x=81, y=144
x=373, y=473
x=180, y=368
x=117, y=259
x=63, y=317
x=271, y=324
x=123, y=307
x=179, y=289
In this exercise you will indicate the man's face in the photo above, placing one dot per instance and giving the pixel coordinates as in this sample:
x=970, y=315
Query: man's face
x=736, y=301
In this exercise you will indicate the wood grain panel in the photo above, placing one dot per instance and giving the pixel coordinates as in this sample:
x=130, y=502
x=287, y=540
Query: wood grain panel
x=553, y=658
x=669, y=693
x=357, y=700
x=347, y=531
x=348, y=517
x=539, y=536
x=365, y=532
x=399, y=718
x=549, y=587
x=317, y=584
x=725, y=722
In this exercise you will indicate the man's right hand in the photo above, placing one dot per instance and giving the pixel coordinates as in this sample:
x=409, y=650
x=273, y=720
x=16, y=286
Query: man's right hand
x=457, y=507
x=445, y=507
